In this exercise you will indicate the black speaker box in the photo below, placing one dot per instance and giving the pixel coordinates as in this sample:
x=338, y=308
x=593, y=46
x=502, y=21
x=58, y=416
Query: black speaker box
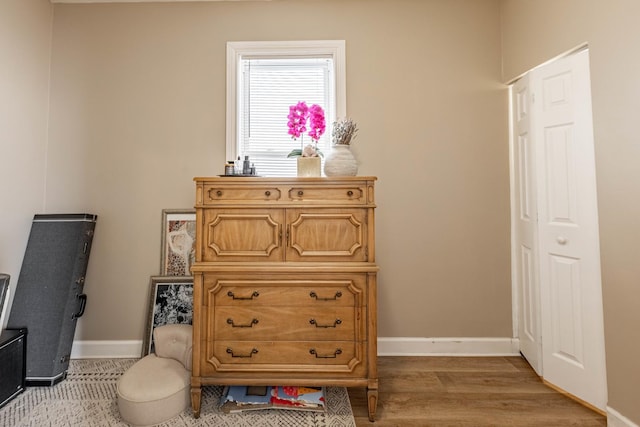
x=13, y=350
x=48, y=300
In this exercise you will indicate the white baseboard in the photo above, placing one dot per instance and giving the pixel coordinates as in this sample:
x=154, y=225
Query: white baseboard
x=106, y=349
x=616, y=419
x=405, y=346
x=409, y=346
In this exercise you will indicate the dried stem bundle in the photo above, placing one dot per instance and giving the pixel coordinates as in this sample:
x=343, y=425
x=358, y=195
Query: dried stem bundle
x=344, y=130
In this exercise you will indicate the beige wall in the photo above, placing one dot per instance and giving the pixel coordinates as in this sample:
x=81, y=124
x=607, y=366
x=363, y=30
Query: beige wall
x=25, y=48
x=612, y=31
x=138, y=110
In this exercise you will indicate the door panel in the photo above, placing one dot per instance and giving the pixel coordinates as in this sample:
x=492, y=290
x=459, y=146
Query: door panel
x=571, y=295
x=238, y=235
x=567, y=341
x=525, y=227
x=561, y=189
x=326, y=235
x=529, y=324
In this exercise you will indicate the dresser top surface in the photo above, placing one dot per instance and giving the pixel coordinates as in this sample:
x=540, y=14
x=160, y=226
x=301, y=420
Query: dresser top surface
x=299, y=180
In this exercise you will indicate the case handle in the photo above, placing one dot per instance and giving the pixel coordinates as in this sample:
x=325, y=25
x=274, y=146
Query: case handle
x=83, y=305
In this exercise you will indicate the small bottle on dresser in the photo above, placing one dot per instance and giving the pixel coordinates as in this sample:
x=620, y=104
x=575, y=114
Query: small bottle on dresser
x=246, y=166
x=229, y=168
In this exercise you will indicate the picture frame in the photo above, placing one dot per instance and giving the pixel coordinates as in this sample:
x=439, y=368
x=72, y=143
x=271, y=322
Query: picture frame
x=177, y=242
x=170, y=302
x=4, y=297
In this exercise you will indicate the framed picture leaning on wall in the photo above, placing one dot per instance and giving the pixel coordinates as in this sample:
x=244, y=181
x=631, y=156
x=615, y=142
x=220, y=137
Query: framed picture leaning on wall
x=170, y=302
x=178, y=242
x=4, y=297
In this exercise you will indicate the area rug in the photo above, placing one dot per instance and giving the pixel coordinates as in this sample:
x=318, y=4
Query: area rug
x=87, y=397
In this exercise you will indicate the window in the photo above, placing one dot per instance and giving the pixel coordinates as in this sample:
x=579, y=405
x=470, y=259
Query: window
x=263, y=80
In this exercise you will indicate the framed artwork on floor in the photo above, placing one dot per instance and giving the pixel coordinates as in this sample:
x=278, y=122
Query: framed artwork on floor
x=177, y=242
x=170, y=302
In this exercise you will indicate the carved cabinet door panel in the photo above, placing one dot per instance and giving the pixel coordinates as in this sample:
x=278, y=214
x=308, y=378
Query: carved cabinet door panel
x=242, y=235
x=326, y=235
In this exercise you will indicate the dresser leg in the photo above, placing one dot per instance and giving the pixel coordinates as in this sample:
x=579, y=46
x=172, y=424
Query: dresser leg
x=196, y=394
x=372, y=402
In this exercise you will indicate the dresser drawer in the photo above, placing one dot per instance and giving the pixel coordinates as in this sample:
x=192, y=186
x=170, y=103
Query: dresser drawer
x=220, y=193
x=287, y=324
x=328, y=194
x=284, y=292
x=239, y=194
x=284, y=356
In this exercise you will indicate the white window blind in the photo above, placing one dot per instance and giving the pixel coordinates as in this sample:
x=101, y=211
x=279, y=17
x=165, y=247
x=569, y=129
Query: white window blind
x=266, y=88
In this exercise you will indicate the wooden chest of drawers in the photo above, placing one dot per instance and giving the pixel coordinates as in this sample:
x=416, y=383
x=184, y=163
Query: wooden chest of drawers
x=285, y=283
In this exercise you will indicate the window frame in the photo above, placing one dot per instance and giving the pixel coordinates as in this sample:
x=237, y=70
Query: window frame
x=336, y=49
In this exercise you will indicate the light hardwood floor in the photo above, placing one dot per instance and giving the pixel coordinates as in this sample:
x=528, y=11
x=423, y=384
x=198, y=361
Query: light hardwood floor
x=467, y=392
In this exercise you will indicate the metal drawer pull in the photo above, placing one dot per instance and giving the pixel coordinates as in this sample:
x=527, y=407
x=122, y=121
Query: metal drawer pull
x=330, y=356
x=255, y=294
x=267, y=193
x=349, y=193
x=312, y=294
x=313, y=322
x=300, y=193
x=253, y=351
x=218, y=193
x=250, y=325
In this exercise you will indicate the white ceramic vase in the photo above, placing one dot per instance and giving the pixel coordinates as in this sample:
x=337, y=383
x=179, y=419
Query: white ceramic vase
x=340, y=161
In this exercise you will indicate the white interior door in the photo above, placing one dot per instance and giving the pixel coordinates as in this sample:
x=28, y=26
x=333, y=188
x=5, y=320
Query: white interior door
x=556, y=255
x=525, y=235
x=569, y=252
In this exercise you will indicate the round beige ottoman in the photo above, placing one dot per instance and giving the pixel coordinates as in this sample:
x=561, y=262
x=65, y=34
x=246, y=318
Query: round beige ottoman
x=153, y=390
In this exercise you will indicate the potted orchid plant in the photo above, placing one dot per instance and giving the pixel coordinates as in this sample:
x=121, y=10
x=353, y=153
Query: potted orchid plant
x=299, y=115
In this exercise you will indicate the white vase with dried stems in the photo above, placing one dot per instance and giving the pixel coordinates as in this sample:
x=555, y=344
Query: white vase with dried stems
x=340, y=161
